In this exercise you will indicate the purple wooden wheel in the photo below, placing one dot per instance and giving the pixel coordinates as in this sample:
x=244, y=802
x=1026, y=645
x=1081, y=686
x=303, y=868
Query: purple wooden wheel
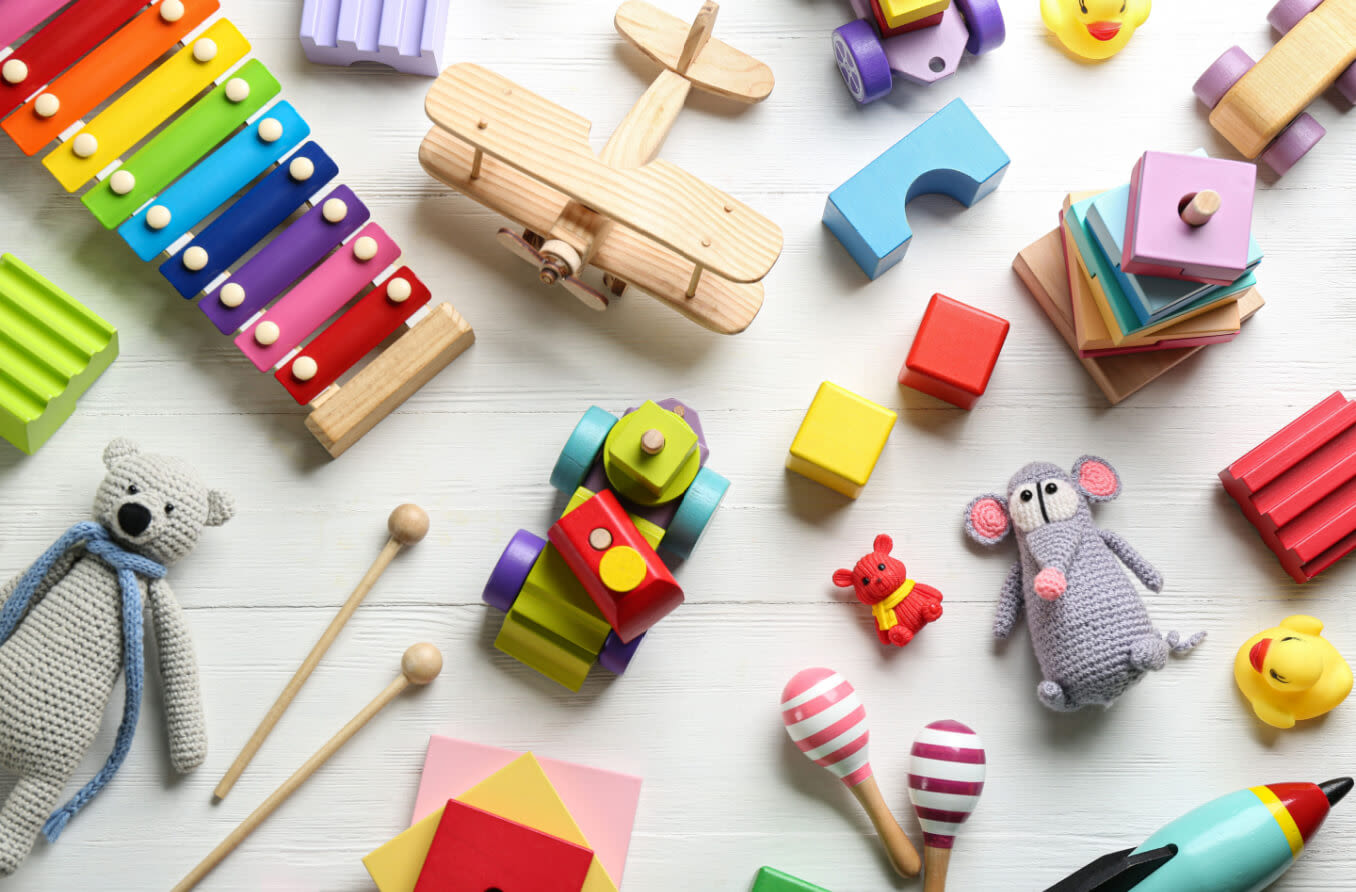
x=1346, y=84
x=508, y=576
x=861, y=61
x=985, y=21
x=1293, y=144
x=1220, y=77
x=615, y=656
x=1287, y=14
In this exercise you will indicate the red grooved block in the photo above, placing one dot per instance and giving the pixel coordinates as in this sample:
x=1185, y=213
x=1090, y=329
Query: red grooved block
x=1298, y=488
x=353, y=335
x=474, y=851
x=654, y=596
x=886, y=31
x=954, y=352
x=55, y=48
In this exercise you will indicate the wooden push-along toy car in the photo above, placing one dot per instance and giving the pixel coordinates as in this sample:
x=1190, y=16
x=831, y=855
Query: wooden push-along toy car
x=590, y=594
x=1259, y=106
x=889, y=36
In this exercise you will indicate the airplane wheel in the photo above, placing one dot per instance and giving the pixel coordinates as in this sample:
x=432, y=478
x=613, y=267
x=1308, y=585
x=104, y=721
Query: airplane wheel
x=1293, y=144
x=1346, y=84
x=1220, y=77
x=984, y=18
x=507, y=578
x=694, y=513
x=1287, y=14
x=861, y=61
x=615, y=657
x=582, y=450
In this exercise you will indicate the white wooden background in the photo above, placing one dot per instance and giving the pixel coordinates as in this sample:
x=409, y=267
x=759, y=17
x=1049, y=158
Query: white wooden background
x=697, y=717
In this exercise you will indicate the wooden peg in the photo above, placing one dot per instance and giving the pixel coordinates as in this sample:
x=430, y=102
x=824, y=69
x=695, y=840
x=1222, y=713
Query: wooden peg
x=407, y=525
x=1197, y=209
x=420, y=664
x=652, y=442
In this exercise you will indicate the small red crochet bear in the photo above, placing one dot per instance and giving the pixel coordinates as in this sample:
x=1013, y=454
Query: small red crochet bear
x=901, y=606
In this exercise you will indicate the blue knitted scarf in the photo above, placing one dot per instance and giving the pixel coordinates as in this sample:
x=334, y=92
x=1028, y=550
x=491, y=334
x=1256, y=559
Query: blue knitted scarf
x=98, y=542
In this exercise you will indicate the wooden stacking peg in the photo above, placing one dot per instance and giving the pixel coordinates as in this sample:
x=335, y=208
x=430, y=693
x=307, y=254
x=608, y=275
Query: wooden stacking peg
x=419, y=666
x=407, y=525
x=1200, y=207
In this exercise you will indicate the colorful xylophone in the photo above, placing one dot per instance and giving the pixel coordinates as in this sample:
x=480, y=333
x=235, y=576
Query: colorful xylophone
x=210, y=158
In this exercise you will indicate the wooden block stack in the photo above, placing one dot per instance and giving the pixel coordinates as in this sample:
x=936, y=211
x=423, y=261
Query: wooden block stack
x=192, y=160
x=1299, y=488
x=1140, y=277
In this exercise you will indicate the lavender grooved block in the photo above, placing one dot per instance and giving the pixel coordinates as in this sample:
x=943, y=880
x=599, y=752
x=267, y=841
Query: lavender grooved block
x=253, y=216
x=284, y=260
x=407, y=35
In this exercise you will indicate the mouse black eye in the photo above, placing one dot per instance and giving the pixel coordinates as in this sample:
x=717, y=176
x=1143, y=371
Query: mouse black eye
x=1051, y=488
x=880, y=567
x=866, y=580
x=1027, y=495
x=133, y=489
x=169, y=509
x=1278, y=677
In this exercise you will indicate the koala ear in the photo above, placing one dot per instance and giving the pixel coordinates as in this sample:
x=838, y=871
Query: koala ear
x=118, y=451
x=220, y=508
x=1096, y=479
x=986, y=519
x=883, y=544
x=842, y=578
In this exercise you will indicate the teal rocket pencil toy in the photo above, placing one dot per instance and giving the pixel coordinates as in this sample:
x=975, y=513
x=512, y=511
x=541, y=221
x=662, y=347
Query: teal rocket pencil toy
x=1242, y=842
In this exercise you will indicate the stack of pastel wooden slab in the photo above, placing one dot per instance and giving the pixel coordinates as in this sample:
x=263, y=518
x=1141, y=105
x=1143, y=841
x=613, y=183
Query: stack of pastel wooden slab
x=1140, y=277
x=489, y=818
x=192, y=160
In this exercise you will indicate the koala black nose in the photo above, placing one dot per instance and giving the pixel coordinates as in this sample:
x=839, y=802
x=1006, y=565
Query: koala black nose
x=134, y=518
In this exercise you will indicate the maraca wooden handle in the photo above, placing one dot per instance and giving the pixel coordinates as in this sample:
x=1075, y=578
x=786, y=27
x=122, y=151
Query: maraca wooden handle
x=935, y=862
x=902, y=853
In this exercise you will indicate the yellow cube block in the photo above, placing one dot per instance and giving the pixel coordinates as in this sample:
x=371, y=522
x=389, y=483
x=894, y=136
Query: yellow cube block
x=898, y=13
x=840, y=440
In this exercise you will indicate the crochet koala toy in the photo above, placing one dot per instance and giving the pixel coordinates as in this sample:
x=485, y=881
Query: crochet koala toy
x=73, y=621
x=1089, y=627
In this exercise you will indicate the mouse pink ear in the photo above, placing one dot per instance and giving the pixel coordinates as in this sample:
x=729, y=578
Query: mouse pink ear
x=986, y=519
x=842, y=578
x=883, y=544
x=1096, y=479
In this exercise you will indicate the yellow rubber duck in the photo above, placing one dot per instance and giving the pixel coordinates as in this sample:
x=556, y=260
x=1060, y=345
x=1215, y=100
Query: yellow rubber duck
x=1291, y=672
x=1094, y=29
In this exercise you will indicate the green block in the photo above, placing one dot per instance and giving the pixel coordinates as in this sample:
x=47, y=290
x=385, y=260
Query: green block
x=180, y=145
x=538, y=647
x=769, y=880
x=651, y=479
x=52, y=348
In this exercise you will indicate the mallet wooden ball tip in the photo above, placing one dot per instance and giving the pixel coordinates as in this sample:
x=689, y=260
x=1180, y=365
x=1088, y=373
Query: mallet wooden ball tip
x=421, y=663
x=408, y=524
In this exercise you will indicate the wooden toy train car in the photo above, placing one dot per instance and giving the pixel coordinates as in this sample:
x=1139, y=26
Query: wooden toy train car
x=93, y=80
x=592, y=592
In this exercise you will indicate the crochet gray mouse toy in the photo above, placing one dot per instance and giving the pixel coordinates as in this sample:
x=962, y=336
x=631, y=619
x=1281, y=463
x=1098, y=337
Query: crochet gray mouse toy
x=73, y=621
x=1090, y=630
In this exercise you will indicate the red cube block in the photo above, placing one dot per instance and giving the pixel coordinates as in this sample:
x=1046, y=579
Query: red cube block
x=954, y=352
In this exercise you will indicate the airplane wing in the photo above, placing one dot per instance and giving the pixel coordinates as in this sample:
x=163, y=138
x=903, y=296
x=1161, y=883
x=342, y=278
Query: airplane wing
x=659, y=200
x=718, y=304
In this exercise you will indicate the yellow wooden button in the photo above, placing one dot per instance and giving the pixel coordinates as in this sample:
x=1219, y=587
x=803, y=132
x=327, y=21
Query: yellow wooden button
x=622, y=569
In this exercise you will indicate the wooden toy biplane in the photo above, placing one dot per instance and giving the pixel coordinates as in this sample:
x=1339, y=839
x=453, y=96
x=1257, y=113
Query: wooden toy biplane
x=643, y=222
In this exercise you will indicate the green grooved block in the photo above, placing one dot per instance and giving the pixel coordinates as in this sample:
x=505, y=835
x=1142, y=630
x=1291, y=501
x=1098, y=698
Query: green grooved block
x=52, y=348
x=554, y=626
x=769, y=880
x=180, y=145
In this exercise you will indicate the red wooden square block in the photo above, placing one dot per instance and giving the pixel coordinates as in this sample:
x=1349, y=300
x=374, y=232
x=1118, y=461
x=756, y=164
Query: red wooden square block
x=954, y=352
x=474, y=851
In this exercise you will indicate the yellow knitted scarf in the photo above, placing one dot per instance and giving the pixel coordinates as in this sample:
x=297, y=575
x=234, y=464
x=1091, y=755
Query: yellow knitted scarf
x=884, y=612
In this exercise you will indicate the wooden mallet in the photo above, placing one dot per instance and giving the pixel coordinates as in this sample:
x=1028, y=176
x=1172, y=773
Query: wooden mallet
x=407, y=525
x=420, y=665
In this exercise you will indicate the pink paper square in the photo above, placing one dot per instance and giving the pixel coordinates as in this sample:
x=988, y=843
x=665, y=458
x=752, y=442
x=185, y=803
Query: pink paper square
x=603, y=803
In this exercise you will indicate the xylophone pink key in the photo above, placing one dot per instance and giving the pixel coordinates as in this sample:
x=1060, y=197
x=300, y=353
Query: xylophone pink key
x=319, y=296
x=18, y=17
x=81, y=27
x=353, y=335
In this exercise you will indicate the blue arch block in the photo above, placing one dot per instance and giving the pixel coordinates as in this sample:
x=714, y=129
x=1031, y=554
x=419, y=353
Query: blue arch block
x=948, y=154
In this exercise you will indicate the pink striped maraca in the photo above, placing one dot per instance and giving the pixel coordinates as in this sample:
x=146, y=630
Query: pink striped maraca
x=827, y=721
x=946, y=776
